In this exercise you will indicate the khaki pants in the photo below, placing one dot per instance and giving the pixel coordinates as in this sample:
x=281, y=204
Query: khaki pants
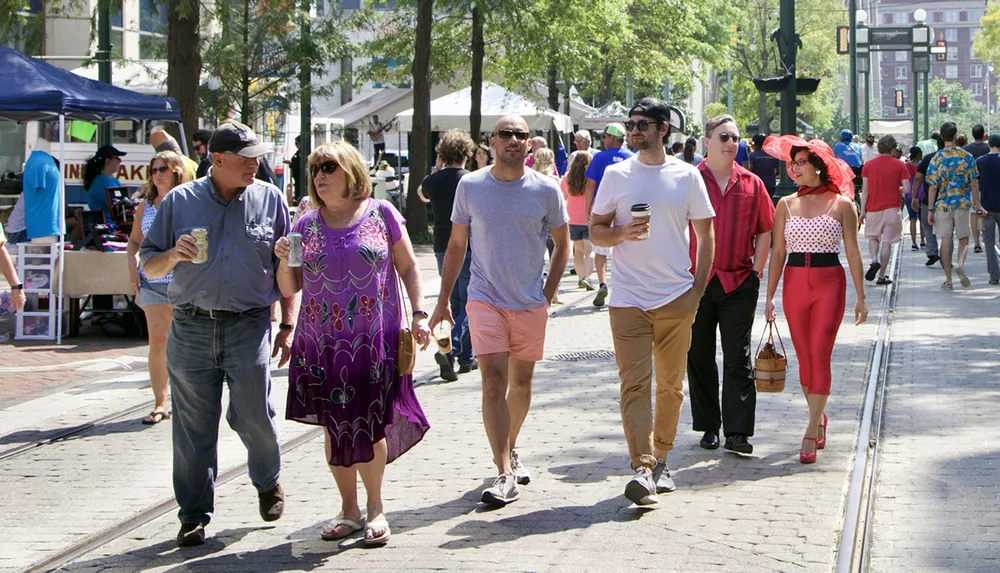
x=639, y=335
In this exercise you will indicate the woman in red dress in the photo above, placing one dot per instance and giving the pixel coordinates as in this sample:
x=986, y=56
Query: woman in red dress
x=809, y=227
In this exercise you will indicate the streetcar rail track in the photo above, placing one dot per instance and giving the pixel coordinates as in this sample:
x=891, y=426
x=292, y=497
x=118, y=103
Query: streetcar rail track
x=856, y=532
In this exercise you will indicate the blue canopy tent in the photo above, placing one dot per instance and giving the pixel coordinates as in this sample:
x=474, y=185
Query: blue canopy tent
x=32, y=90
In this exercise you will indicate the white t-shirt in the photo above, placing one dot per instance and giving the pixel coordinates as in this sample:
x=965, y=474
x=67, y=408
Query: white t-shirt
x=649, y=274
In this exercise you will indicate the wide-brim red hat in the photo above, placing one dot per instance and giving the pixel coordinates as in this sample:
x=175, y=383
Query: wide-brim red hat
x=840, y=173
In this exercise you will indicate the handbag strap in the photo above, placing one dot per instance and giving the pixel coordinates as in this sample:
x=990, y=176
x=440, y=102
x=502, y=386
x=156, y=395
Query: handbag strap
x=405, y=318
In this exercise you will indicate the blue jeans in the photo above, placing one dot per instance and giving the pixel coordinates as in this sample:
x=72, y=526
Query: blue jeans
x=201, y=354
x=461, y=339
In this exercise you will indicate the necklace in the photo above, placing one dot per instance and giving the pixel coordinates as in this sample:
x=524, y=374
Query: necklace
x=340, y=217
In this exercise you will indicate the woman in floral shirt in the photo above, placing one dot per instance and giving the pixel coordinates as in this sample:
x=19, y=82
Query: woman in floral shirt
x=343, y=374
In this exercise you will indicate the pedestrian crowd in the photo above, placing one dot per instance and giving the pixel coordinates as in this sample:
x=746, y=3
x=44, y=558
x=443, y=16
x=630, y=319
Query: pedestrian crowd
x=693, y=238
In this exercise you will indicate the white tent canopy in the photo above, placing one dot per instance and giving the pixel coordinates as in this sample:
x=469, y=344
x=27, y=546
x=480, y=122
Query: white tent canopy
x=452, y=111
x=611, y=112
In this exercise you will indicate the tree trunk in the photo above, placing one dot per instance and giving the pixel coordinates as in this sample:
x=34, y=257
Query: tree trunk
x=606, y=91
x=478, y=54
x=420, y=137
x=245, y=115
x=764, y=125
x=552, y=79
x=184, y=62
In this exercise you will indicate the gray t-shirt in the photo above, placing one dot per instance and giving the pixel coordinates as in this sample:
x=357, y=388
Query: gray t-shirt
x=508, y=221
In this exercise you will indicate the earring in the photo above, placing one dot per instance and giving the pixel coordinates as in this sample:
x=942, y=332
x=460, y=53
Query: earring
x=818, y=172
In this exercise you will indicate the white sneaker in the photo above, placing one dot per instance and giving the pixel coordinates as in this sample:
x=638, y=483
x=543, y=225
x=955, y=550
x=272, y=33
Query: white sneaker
x=521, y=473
x=503, y=491
x=641, y=489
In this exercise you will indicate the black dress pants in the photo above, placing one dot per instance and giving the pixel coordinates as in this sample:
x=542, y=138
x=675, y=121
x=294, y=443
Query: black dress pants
x=733, y=315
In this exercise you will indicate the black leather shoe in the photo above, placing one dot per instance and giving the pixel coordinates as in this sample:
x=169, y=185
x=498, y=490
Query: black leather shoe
x=447, y=365
x=272, y=503
x=710, y=441
x=191, y=534
x=466, y=368
x=931, y=260
x=739, y=444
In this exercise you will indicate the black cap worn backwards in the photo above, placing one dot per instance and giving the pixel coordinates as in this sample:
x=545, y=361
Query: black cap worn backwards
x=235, y=137
x=660, y=111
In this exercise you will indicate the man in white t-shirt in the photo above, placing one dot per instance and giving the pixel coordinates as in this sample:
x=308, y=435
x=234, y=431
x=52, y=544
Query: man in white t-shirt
x=654, y=296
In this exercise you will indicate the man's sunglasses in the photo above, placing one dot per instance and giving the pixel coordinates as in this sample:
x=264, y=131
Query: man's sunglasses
x=329, y=168
x=642, y=124
x=161, y=169
x=508, y=134
x=725, y=137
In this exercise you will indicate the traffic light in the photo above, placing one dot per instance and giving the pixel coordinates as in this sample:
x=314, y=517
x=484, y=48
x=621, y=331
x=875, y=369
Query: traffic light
x=942, y=103
x=899, y=101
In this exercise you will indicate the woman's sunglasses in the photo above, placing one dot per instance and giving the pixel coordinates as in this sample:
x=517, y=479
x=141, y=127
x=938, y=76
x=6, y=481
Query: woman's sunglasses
x=155, y=170
x=329, y=168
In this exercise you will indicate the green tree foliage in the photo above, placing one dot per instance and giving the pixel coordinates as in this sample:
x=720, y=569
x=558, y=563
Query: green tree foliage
x=963, y=107
x=756, y=56
x=986, y=45
x=23, y=28
x=255, y=59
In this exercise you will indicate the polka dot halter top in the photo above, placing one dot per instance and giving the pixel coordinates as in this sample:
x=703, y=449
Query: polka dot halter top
x=814, y=234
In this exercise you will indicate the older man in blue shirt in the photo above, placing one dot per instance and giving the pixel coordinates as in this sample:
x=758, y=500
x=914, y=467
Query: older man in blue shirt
x=221, y=327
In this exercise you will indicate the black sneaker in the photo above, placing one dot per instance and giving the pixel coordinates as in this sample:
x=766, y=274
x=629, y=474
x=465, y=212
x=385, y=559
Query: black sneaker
x=914, y=247
x=272, y=503
x=447, y=367
x=602, y=295
x=521, y=473
x=661, y=477
x=872, y=271
x=739, y=444
x=572, y=272
x=710, y=441
x=191, y=534
x=931, y=260
x=977, y=249
x=641, y=490
x=503, y=491
x=923, y=243
x=995, y=281
x=468, y=367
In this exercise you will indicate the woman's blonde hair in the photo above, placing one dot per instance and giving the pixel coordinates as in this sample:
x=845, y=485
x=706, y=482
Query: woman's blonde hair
x=545, y=161
x=359, y=183
x=176, y=165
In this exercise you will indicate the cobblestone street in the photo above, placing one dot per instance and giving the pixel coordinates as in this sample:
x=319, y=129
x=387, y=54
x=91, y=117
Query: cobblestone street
x=936, y=498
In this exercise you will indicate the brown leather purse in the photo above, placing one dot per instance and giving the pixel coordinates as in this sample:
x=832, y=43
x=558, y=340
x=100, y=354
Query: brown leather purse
x=406, y=347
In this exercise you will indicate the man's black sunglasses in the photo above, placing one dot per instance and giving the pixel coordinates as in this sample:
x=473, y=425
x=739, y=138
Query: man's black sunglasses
x=642, y=124
x=508, y=134
x=329, y=168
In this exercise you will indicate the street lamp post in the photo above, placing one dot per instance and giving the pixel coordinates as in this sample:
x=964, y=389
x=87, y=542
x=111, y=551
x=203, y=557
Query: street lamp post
x=864, y=67
x=853, y=57
x=921, y=64
x=989, y=110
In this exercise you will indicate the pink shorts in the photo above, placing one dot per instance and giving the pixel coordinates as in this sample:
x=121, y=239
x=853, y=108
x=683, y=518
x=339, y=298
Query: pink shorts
x=885, y=226
x=518, y=332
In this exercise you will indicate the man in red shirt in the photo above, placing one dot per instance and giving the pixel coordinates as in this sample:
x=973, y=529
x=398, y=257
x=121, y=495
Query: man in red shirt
x=884, y=182
x=743, y=221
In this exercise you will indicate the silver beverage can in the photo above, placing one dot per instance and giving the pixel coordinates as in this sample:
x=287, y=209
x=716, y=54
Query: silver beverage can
x=201, y=241
x=295, y=249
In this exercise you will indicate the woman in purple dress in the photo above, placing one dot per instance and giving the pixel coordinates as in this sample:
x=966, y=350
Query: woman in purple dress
x=343, y=373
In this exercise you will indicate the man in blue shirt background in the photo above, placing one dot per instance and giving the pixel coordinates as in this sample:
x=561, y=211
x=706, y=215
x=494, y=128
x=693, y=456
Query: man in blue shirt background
x=613, y=138
x=847, y=151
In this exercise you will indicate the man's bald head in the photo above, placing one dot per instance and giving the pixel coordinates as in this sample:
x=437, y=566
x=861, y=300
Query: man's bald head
x=512, y=122
x=510, y=140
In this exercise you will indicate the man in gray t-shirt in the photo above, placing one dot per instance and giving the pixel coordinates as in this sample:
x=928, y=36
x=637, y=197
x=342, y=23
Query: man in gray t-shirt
x=508, y=210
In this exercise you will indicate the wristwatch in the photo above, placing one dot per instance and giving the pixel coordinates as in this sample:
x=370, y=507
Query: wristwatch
x=422, y=313
x=17, y=287
x=285, y=326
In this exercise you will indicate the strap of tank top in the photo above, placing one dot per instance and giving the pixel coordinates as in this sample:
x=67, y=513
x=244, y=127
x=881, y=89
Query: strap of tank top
x=830, y=210
x=787, y=208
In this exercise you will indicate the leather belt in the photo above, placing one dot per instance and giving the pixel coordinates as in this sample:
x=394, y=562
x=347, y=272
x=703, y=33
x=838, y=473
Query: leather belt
x=813, y=260
x=220, y=314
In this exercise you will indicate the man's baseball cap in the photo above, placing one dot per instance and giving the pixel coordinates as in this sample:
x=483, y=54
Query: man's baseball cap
x=659, y=110
x=106, y=151
x=995, y=140
x=235, y=137
x=614, y=129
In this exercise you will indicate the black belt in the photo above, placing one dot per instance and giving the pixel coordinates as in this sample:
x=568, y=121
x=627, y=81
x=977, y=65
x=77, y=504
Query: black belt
x=221, y=314
x=813, y=260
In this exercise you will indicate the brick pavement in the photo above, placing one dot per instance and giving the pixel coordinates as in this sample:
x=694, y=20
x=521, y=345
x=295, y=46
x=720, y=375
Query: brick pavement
x=936, y=504
x=761, y=513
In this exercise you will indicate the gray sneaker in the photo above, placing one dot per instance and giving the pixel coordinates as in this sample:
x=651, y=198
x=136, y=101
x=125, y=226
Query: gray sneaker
x=586, y=284
x=661, y=477
x=521, y=473
x=641, y=490
x=602, y=295
x=503, y=491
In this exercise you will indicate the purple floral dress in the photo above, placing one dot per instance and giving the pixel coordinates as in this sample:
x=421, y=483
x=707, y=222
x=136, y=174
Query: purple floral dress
x=343, y=372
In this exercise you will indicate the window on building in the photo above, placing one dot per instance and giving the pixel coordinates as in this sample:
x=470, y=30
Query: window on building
x=976, y=89
x=952, y=53
x=973, y=32
x=887, y=17
x=117, y=29
x=951, y=71
x=900, y=72
x=901, y=56
x=350, y=4
x=951, y=17
x=938, y=16
x=153, y=20
x=951, y=34
x=976, y=71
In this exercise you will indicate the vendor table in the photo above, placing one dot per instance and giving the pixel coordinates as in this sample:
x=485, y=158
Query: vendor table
x=94, y=272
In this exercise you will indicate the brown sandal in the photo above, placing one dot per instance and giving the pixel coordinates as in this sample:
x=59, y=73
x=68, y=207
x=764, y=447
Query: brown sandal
x=155, y=417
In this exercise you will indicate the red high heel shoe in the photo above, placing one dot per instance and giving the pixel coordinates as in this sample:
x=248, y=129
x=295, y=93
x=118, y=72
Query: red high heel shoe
x=820, y=444
x=807, y=458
